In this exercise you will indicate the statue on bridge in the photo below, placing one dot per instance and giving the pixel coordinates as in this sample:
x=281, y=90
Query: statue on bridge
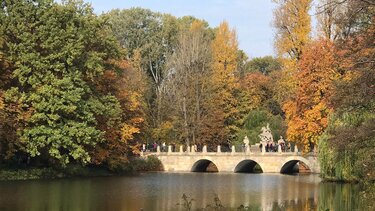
x=266, y=135
x=246, y=144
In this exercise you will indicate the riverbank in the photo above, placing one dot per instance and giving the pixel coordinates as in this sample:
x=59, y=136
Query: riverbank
x=134, y=166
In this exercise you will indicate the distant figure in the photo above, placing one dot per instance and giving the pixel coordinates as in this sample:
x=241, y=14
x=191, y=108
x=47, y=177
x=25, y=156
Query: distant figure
x=281, y=141
x=144, y=147
x=163, y=145
x=155, y=146
x=260, y=147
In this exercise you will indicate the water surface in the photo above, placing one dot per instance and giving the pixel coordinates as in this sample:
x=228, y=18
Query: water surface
x=163, y=191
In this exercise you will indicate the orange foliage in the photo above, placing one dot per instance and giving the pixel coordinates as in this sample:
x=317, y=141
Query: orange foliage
x=127, y=85
x=256, y=88
x=307, y=114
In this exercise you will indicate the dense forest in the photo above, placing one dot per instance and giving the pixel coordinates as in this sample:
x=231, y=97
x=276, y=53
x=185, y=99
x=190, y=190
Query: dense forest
x=88, y=89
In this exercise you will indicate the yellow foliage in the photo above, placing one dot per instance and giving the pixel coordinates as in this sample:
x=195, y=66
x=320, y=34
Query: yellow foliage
x=164, y=132
x=223, y=105
x=128, y=131
x=293, y=25
x=1, y=102
x=197, y=25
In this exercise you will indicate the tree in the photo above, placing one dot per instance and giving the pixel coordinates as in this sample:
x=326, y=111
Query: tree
x=293, y=25
x=265, y=65
x=307, y=114
x=186, y=82
x=241, y=64
x=122, y=134
x=57, y=51
x=351, y=133
x=223, y=114
x=154, y=36
x=338, y=20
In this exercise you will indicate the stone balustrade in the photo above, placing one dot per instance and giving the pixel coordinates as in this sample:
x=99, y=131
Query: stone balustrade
x=193, y=150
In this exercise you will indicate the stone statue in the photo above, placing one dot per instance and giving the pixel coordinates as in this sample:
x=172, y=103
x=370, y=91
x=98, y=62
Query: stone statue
x=266, y=135
x=246, y=143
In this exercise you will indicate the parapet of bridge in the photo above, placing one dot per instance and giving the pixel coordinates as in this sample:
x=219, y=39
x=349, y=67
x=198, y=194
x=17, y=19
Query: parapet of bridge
x=269, y=162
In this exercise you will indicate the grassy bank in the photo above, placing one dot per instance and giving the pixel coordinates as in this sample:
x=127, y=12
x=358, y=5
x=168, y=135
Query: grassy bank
x=134, y=165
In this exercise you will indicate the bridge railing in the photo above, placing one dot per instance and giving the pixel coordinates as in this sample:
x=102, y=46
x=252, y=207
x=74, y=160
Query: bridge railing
x=192, y=150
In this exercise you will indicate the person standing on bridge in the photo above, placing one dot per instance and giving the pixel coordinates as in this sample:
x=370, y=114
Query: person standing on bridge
x=163, y=146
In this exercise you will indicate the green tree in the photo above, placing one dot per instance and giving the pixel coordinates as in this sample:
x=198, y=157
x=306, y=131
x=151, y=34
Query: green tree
x=57, y=51
x=152, y=37
x=265, y=65
x=347, y=148
x=255, y=120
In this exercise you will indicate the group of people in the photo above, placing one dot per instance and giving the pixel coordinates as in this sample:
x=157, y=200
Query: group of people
x=153, y=147
x=272, y=147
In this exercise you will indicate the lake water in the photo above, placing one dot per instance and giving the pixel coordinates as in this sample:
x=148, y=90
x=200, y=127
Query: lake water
x=164, y=191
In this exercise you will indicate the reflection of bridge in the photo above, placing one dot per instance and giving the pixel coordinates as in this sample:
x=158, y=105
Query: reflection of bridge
x=266, y=162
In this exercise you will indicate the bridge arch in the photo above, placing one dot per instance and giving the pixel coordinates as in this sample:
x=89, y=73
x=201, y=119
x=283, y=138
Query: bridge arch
x=248, y=166
x=204, y=165
x=291, y=165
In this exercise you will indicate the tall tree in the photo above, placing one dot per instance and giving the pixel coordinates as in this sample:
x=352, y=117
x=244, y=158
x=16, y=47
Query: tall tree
x=221, y=122
x=187, y=81
x=293, y=25
x=154, y=36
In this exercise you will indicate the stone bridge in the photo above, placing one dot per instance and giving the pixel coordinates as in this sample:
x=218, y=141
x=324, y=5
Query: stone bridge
x=248, y=161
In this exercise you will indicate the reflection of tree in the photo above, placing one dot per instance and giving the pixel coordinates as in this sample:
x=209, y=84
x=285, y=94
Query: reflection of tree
x=333, y=196
x=367, y=196
x=294, y=205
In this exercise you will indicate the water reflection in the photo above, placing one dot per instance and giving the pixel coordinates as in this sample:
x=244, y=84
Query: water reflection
x=162, y=191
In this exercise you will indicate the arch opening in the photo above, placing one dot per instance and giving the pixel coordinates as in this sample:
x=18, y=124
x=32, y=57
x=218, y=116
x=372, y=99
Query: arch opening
x=294, y=167
x=204, y=166
x=248, y=166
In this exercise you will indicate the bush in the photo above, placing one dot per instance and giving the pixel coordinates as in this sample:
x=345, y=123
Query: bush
x=27, y=174
x=151, y=163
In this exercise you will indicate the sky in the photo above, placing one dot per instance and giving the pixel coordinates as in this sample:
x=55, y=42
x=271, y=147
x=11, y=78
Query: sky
x=252, y=19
